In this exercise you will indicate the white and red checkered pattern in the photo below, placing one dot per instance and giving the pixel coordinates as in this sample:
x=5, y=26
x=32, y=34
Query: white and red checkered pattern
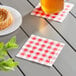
x=56, y=16
x=41, y=50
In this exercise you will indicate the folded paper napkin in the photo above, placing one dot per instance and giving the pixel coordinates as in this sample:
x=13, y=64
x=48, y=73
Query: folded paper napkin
x=41, y=50
x=56, y=16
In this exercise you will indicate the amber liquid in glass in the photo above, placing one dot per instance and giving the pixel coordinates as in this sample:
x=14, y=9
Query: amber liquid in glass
x=52, y=6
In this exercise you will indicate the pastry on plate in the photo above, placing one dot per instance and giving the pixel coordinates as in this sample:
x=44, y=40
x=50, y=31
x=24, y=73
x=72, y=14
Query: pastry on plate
x=6, y=18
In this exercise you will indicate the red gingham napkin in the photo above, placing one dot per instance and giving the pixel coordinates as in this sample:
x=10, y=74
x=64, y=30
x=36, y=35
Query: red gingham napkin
x=41, y=50
x=56, y=16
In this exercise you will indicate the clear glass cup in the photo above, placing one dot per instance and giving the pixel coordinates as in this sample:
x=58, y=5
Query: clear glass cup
x=52, y=6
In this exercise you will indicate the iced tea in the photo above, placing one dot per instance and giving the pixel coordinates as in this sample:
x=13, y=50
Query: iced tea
x=52, y=6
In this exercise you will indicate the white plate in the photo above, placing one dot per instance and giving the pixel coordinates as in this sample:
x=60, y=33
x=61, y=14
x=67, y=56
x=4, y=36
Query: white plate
x=16, y=23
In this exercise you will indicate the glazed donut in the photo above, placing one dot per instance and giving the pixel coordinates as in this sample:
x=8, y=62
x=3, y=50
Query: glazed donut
x=6, y=18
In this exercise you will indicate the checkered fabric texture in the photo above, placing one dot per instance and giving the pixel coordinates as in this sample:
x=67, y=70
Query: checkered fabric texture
x=59, y=17
x=41, y=50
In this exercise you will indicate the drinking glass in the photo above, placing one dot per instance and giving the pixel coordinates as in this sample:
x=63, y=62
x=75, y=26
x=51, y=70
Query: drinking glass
x=52, y=6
